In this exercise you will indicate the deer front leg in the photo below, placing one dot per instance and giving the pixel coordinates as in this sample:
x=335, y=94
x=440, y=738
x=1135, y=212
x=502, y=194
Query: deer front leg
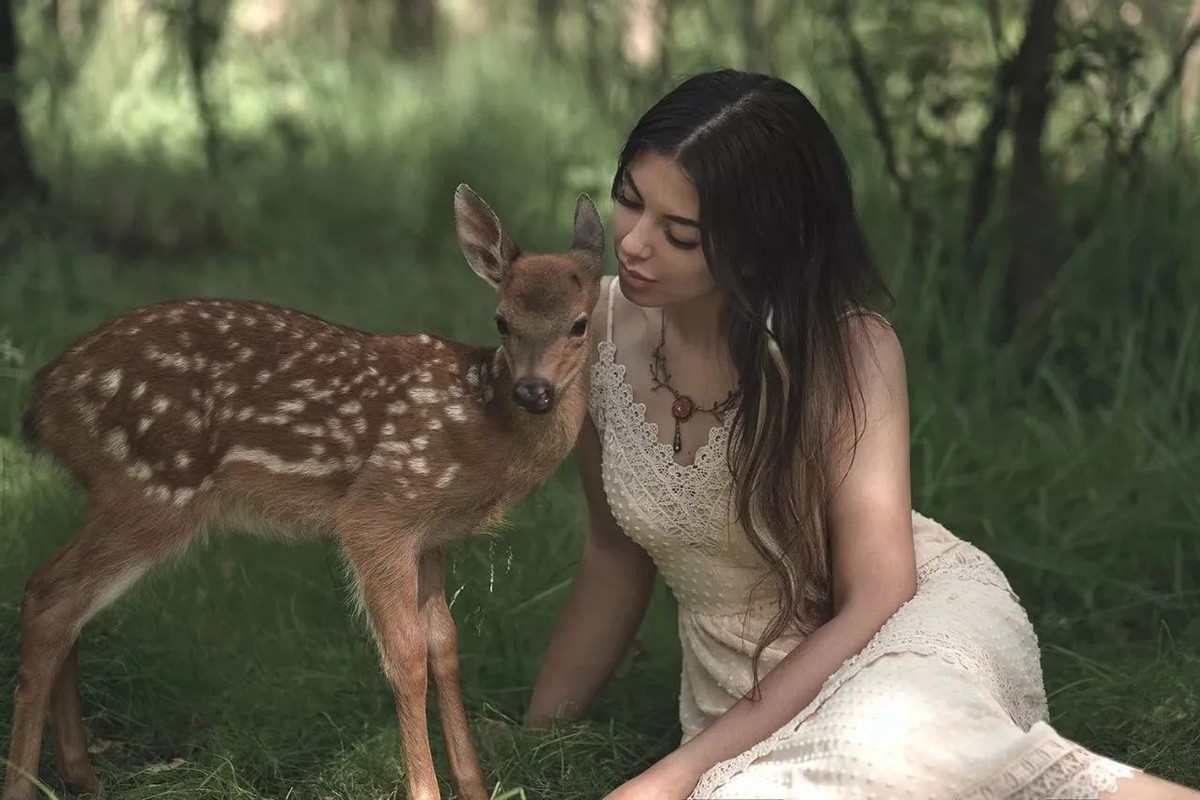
x=442, y=640
x=387, y=573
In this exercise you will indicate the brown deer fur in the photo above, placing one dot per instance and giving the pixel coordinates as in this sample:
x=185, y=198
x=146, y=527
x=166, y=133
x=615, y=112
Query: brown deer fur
x=177, y=414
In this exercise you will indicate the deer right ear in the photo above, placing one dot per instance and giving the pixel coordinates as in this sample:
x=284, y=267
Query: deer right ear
x=486, y=246
x=589, y=233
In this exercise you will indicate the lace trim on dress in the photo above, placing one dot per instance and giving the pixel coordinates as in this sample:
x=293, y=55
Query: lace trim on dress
x=692, y=501
x=1055, y=768
x=961, y=562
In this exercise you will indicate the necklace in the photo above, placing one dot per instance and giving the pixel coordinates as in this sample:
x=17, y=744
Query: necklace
x=684, y=407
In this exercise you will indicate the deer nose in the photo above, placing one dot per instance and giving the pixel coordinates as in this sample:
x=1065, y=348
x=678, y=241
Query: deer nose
x=534, y=395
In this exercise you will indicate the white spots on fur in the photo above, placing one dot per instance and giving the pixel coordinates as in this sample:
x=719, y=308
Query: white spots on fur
x=223, y=326
x=311, y=345
x=245, y=354
x=425, y=376
x=325, y=358
x=89, y=415
x=353, y=463
x=144, y=424
x=138, y=390
x=175, y=315
x=360, y=426
x=262, y=377
x=81, y=380
x=226, y=388
x=352, y=407
x=447, y=476
x=225, y=414
x=337, y=433
x=456, y=413
x=185, y=339
x=245, y=414
x=249, y=321
x=305, y=429
x=318, y=449
x=424, y=396
x=388, y=429
x=160, y=403
x=182, y=496
x=109, y=382
x=116, y=444
x=290, y=406
x=424, y=338
x=139, y=471
x=397, y=408
x=305, y=385
x=434, y=424
x=288, y=362
x=274, y=419
x=182, y=460
x=419, y=465
x=273, y=463
x=420, y=443
x=193, y=420
x=175, y=361
x=401, y=448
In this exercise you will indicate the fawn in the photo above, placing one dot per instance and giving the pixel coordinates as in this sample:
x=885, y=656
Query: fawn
x=176, y=414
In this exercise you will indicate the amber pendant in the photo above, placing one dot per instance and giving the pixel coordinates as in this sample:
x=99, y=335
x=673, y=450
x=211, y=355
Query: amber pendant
x=682, y=410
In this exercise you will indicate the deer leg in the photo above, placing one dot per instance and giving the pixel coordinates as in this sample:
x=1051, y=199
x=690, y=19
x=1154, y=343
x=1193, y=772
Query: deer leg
x=108, y=555
x=70, y=735
x=388, y=582
x=443, y=661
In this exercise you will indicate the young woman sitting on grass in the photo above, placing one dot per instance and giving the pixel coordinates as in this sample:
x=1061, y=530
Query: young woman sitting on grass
x=748, y=436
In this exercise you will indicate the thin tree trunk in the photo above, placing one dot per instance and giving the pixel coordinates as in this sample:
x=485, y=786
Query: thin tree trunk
x=414, y=28
x=17, y=178
x=1033, y=219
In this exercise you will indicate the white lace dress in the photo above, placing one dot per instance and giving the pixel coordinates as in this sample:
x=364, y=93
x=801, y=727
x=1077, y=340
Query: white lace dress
x=946, y=701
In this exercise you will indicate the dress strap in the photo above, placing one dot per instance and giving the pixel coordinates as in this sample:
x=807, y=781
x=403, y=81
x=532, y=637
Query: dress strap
x=611, y=294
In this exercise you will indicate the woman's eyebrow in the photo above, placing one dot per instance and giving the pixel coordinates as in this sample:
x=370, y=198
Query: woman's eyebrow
x=674, y=218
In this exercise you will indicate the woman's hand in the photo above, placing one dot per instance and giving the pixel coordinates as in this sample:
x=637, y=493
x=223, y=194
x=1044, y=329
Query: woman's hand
x=672, y=778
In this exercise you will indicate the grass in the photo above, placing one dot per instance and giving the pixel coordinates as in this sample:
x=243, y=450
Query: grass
x=238, y=672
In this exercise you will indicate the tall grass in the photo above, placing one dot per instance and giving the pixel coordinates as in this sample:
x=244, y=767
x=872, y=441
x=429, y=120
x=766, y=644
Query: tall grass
x=238, y=673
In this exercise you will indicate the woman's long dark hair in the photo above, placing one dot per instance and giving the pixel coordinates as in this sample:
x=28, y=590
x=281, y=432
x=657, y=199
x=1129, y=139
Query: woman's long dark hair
x=782, y=238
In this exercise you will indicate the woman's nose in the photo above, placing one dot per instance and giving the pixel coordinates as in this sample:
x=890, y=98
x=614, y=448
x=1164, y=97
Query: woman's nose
x=635, y=244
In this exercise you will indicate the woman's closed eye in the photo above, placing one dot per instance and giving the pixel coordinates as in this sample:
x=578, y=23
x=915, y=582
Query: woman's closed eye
x=633, y=203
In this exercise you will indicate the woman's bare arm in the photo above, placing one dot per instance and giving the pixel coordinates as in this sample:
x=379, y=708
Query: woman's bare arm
x=607, y=602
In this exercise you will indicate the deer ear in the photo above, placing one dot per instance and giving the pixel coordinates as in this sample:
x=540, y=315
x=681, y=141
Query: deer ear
x=486, y=246
x=589, y=234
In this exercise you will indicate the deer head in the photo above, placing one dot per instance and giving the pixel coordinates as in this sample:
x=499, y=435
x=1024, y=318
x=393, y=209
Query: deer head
x=544, y=308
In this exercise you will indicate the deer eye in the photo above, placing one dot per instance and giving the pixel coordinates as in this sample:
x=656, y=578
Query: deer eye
x=580, y=327
x=501, y=325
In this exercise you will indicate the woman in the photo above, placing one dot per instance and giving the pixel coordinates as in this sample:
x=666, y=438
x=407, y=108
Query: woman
x=748, y=436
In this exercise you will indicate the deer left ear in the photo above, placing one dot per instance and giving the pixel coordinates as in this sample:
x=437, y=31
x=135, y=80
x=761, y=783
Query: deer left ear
x=589, y=234
x=485, y=245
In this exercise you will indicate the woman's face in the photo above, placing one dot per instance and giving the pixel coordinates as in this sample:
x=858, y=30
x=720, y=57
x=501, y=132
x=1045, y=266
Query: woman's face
x=656, y=237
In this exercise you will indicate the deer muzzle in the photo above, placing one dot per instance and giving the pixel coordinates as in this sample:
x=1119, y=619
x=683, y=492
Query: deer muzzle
x=535, y=395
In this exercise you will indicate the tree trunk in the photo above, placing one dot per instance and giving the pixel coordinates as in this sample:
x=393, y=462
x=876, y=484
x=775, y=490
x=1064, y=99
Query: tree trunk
x=413, y=28
x=17, y=178
x=547, y=19
x=1032, y=212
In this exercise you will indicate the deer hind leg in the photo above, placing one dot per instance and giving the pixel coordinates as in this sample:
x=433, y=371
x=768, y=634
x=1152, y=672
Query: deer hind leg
x=112, y=550
x=66, y=724
x=442, y=641
x=386, y=570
